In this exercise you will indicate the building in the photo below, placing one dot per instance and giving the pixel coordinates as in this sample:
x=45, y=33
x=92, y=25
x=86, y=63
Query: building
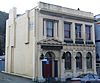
x=3, y=18
x=50, y=41
x=97, y=40
x=2, y=63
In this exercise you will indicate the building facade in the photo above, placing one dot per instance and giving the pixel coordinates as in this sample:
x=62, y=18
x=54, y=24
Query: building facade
x=50, y=41
x=97, y=40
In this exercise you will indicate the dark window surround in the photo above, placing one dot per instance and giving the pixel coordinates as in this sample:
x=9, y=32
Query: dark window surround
x=89, y=42
x=68, y=40
x=79, y=41
x=51, y=47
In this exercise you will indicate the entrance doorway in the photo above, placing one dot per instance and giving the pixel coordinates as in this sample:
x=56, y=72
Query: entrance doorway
x=50, y=67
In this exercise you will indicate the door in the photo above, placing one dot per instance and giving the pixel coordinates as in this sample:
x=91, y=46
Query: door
x=47, y=69
x=50, y=67
x=55, y=68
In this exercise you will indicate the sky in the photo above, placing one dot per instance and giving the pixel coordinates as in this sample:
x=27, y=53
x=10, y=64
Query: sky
x=23, y=5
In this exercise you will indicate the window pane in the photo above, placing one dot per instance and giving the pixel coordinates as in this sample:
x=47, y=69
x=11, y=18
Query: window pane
x=79, y=61
x=67, y=30
x=89, y=60
x=88, y=32
x=67, y=61
x=49, y=27
x=78, y=31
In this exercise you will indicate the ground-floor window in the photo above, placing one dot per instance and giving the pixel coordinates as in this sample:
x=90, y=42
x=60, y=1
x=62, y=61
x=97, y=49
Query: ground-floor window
x=78, y=60
x=67, y=60
x=89, y=60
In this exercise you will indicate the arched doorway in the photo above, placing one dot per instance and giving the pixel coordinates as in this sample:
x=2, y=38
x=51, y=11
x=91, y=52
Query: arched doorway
x=50, y=67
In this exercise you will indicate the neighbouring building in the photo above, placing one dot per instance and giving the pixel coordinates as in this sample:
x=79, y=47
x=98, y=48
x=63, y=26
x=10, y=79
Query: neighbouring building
x=3, y=18
x=50, y=41
x=97, y=40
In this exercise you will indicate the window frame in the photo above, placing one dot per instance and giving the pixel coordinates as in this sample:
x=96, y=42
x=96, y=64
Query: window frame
x=67, y=30
x=78, y=31
x=68, y=61
x=48, y=28
x=89, y=60
x=78, y=61
x=88, y=33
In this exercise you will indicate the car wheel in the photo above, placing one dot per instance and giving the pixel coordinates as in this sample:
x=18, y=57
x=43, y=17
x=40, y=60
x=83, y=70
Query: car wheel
x=88, y=82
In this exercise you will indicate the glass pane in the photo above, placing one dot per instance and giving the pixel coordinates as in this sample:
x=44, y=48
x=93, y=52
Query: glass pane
x=79, y=61
x=49, y=33
x=89, y=61
x=78, y=30
x=49, y=27
x=66, y=30
x=68, y=61
x=88, y=32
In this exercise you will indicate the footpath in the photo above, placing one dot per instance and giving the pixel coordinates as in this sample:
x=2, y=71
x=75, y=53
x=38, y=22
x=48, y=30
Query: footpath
x=7, y=78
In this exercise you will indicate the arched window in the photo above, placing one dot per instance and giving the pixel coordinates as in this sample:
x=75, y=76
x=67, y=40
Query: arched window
x=67, y=58
x=78, y=60
x=89, y=60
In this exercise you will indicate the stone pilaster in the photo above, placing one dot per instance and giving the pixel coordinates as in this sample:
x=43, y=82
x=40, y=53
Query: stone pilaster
x=44, y=28
x=83, y=32
x=56, y=30
x=73, y=31
x=94, y=61
x=62, y=68
x=73, y=63
x=84, y=62
x=61, y=30
x=40, y=76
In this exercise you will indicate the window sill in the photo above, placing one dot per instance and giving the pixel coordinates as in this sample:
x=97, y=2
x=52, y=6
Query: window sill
x=68, y=70
x=68, y=40
x=78, y=70
x=89, y=42
x=89, y=69
x=79, y=41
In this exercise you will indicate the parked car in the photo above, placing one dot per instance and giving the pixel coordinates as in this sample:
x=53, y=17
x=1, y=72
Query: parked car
x=86, y=78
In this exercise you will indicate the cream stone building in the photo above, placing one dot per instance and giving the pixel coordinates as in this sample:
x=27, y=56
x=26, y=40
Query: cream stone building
x=50, y=41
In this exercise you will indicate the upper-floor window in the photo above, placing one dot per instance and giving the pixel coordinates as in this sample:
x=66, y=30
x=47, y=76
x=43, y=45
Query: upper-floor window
x=88, y=32
x=49, y=28
x=67, y=30
x=78, y=31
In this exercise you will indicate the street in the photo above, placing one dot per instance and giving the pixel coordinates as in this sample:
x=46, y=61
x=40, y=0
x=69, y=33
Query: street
x=9, y=78
x=6, y=78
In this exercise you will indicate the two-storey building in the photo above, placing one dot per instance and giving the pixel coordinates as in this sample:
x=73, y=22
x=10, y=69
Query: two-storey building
x=50, y=41
x=97, y=41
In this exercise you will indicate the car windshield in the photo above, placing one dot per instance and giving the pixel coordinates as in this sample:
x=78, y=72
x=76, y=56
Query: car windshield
x=81, y=76
x=89, y=75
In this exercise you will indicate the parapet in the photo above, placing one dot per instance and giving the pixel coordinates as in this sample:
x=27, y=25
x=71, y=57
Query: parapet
x=64, y=10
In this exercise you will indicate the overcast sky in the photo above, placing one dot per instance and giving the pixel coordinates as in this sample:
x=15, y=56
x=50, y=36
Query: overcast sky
x=23, y=5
